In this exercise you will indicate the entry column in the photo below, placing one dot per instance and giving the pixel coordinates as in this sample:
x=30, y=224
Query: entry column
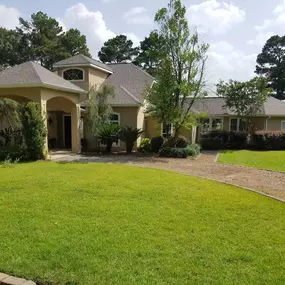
x=75, y=128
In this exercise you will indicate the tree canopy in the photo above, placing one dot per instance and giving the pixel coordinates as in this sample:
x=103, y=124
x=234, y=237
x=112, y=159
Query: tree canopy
x=117, y=49
x=40, y=39
x=271, y=64
x=151, y=52
x=245, y=99
x=182, y=69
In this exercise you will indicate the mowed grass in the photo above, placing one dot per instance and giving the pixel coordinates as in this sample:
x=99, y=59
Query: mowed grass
x=273, y=160
x=113, y=224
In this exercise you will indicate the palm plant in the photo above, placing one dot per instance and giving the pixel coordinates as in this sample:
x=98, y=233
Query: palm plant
x=129, y=136
x=108, y=134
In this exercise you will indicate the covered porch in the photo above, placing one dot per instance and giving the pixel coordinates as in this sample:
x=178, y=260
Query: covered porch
x=58, y=98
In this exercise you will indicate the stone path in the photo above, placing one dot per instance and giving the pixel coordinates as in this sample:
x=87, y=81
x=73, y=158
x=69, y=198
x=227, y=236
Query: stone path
x=268, y=182
x=10, y=280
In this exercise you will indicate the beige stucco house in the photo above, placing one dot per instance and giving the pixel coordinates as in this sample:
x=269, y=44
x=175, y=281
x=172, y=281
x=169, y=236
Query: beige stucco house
x=63, y=94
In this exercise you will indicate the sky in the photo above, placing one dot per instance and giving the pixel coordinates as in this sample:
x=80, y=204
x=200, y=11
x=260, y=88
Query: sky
x=236, y=30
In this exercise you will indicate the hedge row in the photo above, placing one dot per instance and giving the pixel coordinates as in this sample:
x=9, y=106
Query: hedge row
x=224, y=140
x=261, y=140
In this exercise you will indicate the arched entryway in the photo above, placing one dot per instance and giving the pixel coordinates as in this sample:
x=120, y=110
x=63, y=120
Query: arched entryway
x=63, y=124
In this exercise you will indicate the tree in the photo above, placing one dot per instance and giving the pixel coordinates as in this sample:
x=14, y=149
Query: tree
x=129, y=136
x=151, y=53
x=72, y=43
x=271, y=64
x=9, y=112
x=246, y=99
x=118, y=49
x=98, y=109
x=182, y=70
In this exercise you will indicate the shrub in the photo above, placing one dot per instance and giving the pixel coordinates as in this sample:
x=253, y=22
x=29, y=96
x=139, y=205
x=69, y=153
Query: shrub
x=193, y=149
x=224, y=135
x=108, y=134
x=34, y=131
x=129, y=136
x=212, y=143
x=179, y=142
x=173, y=152
x=156, y=143
x=13, y=153
x=145, y=146
x=237, y=140
x=269, y=140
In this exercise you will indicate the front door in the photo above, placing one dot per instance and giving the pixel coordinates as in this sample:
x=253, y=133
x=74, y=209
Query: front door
x=67, y=132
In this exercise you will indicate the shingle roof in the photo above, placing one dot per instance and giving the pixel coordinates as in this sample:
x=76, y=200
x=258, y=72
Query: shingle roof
x=31, y=74
x=81, y=59
x=130, y=83
x=215, y=106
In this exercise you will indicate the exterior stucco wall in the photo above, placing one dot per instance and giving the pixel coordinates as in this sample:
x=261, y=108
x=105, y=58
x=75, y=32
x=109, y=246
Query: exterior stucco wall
x=259, y=124
x=97, y=77
x=141, y=124
x=274, y=124
x=22, y=95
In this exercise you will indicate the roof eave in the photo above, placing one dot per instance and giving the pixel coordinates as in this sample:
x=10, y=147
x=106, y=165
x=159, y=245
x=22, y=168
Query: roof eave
x=41, y=85
x=83, y=64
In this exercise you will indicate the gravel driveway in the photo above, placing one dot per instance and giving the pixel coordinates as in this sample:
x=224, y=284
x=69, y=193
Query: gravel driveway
x=269, y=182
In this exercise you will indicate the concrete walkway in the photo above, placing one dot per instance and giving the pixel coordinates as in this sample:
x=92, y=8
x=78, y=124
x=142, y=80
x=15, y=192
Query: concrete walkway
x=268, y=182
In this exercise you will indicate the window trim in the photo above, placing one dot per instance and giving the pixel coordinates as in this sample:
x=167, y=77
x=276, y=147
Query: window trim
x=79, y=80
x=171, y=131
x=211, y=123
x=119, y=123
x=282, y=122
x=238, y=123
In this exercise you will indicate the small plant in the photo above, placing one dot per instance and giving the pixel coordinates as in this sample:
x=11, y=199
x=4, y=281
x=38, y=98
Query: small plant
x=179, y=142
x=173, y=152
x=193, y=149
x=108, y=134
x=129, y=136
x=157, y=143
x=145, y=146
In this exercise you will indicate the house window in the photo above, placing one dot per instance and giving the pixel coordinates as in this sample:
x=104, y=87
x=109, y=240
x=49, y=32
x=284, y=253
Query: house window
x=167, y=130
x=212, y=124
x=283, y=126
x=237, y=124
x=73, y=74
x=114, y=119
x=216, y=124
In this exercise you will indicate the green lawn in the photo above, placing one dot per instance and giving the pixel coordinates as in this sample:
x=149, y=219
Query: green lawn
x=112, y=224
x=274, y=160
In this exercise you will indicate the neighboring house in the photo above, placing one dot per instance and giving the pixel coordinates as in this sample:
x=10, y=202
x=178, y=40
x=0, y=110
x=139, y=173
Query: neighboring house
x=63, y=96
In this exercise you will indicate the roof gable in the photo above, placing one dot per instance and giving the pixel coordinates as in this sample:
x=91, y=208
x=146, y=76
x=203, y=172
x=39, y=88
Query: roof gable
x=82, y=60
x=30, y=74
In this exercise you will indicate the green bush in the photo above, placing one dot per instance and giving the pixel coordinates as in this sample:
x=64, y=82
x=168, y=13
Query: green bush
x=108, y=134
x=129, y=136
x=223, y=135
x=212, y=143
x=173, y=152
x=179, y=142
x=13, y=153
x=145, y=146
x=238, y=140
x=193, y=149
x=269, y=140
x=34, y=131
x=156, y=143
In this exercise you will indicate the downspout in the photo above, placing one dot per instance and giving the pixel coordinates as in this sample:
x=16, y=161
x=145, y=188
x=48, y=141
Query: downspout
x=266, y=122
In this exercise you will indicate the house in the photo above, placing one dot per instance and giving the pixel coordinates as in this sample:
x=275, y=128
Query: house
x=63, y=94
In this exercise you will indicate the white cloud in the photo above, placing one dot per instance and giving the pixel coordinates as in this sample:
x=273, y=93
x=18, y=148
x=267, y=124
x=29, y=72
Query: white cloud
x=214, y=16
x=137, y=15
x=90, y=23
x=135, y=39
x=226, y=62
x=9, y=17
x=271, y=26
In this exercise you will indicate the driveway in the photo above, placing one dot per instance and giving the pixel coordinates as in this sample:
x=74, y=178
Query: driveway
x=269, y=182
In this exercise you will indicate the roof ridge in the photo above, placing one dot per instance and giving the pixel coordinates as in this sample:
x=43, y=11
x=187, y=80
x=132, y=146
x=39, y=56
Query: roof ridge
x=35, y=70
x=130, y=94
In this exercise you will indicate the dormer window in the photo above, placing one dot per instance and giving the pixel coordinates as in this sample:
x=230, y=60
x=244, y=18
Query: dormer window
x=74, y=74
